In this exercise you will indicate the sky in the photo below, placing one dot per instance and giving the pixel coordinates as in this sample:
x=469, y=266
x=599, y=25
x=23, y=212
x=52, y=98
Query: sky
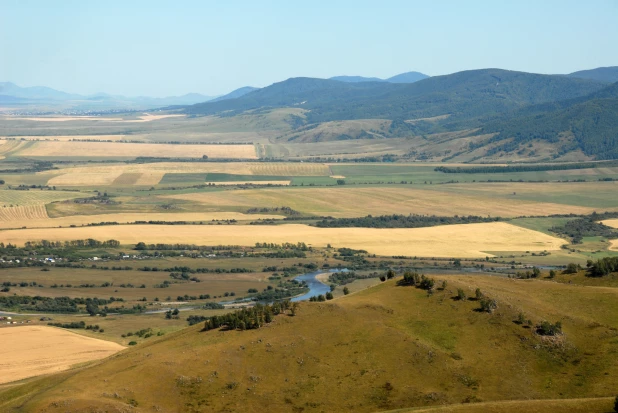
x=164, y=48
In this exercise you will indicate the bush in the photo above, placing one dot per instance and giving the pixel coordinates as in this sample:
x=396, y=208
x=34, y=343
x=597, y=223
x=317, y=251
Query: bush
x=346, y=291
x=548, y=329
x=132, y=343
x=488, y=305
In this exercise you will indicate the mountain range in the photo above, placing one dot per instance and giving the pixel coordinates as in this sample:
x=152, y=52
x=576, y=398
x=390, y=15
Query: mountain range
x=38, y=96
x=575, y=112
x=497, y=112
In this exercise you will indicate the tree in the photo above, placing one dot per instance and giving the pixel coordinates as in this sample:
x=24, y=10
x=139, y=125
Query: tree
x=321, y=298
x=140, y=246
x=478, y=294
x=390, y=274
x=552, y=274
x=536, y=272
x=340, y=182
x=572, y=268
x=346, y=291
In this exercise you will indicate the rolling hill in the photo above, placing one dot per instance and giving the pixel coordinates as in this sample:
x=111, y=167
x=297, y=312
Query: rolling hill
x=384, y=348
x=592, y=122
x=235, y=93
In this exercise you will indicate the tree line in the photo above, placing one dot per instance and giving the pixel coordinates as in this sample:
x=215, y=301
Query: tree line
x=524, y=168
x=401, y=221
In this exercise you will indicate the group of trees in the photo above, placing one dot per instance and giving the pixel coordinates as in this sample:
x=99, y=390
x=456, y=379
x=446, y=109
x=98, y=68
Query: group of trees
x=250, y=318
x=587, y=226
x=400, y=221
x=415, y=280
x=602, y=267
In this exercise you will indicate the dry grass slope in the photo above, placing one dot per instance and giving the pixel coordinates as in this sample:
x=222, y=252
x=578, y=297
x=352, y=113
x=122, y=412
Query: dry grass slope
x=380, y=349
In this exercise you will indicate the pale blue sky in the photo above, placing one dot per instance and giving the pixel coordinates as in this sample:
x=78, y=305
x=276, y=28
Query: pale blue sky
x=160, y=48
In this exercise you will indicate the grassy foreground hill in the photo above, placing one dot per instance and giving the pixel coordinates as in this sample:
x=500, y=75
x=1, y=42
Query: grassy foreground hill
x=385, y=348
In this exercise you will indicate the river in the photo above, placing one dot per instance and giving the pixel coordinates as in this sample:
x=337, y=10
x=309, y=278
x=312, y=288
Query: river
x=316, y=287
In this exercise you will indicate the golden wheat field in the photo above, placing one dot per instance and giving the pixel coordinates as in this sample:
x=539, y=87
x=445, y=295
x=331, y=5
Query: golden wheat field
x=36, y=217
x=230, y=183
x=151, y=174
x=71, y=138
x=10, y=198
x=22, y=215
x=109, y=149
x=611, y=223
x=29, y=351
x=359, y=201
x=444, y=241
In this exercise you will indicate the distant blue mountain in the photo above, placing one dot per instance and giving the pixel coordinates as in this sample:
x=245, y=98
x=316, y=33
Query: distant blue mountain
x=235, y=93
x=356, y=79
x=408, y=77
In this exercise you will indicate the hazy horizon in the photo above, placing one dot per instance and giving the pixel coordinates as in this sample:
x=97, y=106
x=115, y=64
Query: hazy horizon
x=156, y=49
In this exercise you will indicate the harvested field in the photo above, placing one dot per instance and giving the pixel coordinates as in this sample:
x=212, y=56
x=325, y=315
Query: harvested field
x=29, y=351
x=22, y=214
x=34, y=217
x=613, y=245
x=111, y=149
x=34, y=197
x=88, y=179
x=361, y=201
x=249, y=183
x=127, y=179
x=443, y=241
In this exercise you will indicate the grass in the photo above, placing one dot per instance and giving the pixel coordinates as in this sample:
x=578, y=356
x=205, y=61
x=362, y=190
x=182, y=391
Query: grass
x=382, y=348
